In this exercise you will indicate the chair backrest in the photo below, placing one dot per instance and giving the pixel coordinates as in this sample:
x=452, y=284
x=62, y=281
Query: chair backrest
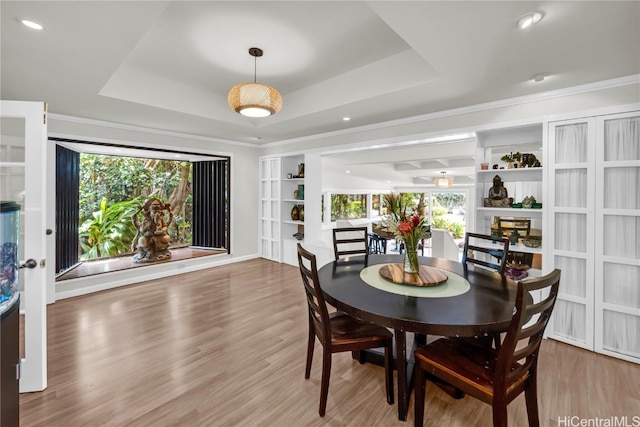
x=318, y=312
x=496, y=247
x=350, y=241
x=528, y=323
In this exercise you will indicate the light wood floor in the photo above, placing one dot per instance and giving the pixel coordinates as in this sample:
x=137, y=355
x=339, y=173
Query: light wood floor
x=226, y=347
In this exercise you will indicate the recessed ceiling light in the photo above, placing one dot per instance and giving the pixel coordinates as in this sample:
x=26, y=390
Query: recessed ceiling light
x=529, y=19
x=537, y=78
x=34, y=25
x=346, y=119
x=348, y=171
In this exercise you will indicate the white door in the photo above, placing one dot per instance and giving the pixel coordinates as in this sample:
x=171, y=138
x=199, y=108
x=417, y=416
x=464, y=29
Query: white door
x=23, y=165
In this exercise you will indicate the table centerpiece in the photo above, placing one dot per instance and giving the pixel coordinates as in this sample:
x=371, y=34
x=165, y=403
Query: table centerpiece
x=408, y=226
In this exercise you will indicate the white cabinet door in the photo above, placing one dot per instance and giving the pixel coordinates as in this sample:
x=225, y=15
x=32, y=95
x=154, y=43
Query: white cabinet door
x=594, y=192
x=570, y=242
x=24, y=158
x=269, y=208
x=617, y=246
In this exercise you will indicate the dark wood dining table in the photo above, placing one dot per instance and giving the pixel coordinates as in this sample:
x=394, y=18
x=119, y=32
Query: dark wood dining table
x=485, y=307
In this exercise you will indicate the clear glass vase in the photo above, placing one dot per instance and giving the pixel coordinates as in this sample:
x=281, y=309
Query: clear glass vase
x=411, y=264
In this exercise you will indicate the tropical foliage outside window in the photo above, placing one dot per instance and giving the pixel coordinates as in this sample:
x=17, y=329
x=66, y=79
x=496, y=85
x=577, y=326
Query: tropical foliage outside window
x=448, y=213
x=348, y=206
x=447, y=209
x=111, y=188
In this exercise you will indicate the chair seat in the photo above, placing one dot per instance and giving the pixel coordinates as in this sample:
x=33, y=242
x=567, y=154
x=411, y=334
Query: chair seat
x=468, y=362
x=345, y=328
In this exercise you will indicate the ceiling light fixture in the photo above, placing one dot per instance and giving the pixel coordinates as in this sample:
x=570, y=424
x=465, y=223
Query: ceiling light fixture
x=537, y=78
x=529, y=19
x=254, y=99
x=31, y=24
x=443, y=182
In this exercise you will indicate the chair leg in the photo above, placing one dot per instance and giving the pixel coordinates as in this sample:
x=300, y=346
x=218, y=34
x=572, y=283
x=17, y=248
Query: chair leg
x=388, y=370
x=310, y=343
x=499, y=413
x=418, y=404
x=324, y=384
x=531, y=398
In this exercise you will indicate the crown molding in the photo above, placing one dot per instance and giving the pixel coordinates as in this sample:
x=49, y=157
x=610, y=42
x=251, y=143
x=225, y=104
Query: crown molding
x=134, y=128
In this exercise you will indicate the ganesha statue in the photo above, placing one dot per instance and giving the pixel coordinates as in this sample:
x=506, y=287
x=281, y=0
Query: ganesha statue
x=152, y=239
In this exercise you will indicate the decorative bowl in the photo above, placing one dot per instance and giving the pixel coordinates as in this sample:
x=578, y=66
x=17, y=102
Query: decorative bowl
x=532, y=242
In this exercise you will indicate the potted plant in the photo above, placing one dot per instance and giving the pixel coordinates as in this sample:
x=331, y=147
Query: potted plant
x=512, y=159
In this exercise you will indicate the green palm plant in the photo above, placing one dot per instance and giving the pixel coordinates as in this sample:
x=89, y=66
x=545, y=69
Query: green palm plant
x=110, y=231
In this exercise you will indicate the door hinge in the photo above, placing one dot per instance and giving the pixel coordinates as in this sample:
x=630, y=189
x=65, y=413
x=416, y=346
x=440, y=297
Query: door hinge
x=19, y=370
x=44, y=114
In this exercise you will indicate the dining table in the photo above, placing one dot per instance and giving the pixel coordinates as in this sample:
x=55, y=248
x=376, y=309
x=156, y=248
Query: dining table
x=471, y=302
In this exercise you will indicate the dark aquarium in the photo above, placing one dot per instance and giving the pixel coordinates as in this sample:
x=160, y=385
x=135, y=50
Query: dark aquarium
x=9, y=232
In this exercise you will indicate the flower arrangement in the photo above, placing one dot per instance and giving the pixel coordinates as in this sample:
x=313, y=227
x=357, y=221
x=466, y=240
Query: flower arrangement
x=408, y=226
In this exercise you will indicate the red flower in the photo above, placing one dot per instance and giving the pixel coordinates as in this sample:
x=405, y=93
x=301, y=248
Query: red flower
x=416, y=220
x=404, y=227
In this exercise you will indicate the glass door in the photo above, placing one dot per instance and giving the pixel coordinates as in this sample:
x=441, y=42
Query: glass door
x=23, y=163
x=449, y=212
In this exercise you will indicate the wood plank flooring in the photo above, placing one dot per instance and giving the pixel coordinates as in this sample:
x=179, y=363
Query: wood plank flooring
x=226, y=347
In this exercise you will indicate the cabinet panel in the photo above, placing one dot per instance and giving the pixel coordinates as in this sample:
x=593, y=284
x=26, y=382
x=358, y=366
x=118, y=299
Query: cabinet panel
x=269, y=208
x=571, y=188
x=621, y=286
x=574, y=283
x=620, y=236
x=617, y=266
x=622, y=139
x=621, y=332
x=595, y=182
x=570, y=321
x=622, y=188
x=571, y=232
x=571, y=143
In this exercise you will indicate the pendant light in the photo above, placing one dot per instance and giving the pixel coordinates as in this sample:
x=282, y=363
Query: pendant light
x=254, y=99
x=443, y=182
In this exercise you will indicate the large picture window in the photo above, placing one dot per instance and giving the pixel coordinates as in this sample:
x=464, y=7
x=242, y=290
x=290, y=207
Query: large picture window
x=100, y=187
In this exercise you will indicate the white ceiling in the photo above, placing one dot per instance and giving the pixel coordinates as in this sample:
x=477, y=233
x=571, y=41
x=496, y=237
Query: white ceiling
x=169, y=65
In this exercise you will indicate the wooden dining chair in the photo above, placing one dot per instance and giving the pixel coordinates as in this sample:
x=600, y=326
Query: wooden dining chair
x=493, y=376
x=350, y=241
x=338, y=332
x=494, y=247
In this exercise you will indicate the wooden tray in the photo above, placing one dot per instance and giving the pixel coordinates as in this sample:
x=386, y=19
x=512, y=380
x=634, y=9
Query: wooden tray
x=427, y=276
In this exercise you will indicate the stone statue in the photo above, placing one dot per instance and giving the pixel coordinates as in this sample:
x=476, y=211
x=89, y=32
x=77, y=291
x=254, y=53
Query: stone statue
x=498, y=195
x=152, y=239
